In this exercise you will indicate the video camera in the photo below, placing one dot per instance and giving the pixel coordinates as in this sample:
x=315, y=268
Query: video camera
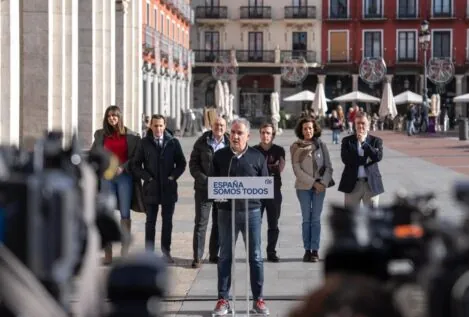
x=53, y=223
x=406, y=243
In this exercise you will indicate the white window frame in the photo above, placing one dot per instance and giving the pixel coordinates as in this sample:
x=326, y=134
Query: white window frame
x=363, y=40
x=148, y=17
x=329, y=42
x=155, y=17
x=452, y=8
x=417, y=8
x=416, y=42
x=364, y=8
x=450, y=41
x=329, y=8
x=467, y=45
x=161, y=26
x=168, y=26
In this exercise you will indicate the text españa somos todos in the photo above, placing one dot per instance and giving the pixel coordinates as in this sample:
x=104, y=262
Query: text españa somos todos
x=236, y=188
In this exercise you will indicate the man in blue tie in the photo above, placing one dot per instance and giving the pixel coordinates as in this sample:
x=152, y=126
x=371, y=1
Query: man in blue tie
x=159, y=161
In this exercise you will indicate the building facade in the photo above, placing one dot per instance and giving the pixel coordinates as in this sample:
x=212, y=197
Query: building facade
x=167, y=70
x=261, y=36
x=354, y=30
x=64, y=62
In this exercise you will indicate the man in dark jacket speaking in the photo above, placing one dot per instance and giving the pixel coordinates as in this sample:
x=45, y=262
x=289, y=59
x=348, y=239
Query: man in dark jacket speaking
x=239, y=160
x=159, y=161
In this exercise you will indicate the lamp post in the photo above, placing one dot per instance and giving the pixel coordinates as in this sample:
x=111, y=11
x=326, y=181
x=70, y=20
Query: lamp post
x=424, y=40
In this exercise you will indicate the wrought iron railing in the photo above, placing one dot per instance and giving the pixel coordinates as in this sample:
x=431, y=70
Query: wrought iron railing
x=209, y=56
x=255, y=56
x=256, y=12
x=309, y=56
x=208, y=12
x=300, y=12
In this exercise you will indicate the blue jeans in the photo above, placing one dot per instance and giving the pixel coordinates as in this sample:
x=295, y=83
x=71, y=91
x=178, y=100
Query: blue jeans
x=335, y=136
x=410, y=127
x=121, y=186
x=256, y=262
x=311, y=207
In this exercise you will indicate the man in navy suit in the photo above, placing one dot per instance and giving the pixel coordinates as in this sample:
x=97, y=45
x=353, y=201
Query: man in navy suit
x=361, y=178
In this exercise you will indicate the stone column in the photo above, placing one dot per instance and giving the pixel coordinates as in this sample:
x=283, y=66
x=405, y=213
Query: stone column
x=172, y=86
x=106, y=54
x=184, y=102
x=354, y=82
x=162, y=95
x=190, y=101
x=120, y=50
x=112, y=59
x=459, y=107
x=177, y=88
x=10, y=76
x=137, y=64
x=148, y=76
x=234, y=91
x=156, y=81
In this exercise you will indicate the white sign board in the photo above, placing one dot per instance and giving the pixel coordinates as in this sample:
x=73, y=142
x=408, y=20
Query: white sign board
x=241, y=187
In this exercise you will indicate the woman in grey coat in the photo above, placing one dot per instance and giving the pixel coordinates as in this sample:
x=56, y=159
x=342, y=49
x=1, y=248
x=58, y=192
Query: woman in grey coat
x=122, y=142
x=313, y=170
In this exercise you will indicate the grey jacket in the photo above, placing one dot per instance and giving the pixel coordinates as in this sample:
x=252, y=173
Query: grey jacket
x=133, y=139
x=308, y=159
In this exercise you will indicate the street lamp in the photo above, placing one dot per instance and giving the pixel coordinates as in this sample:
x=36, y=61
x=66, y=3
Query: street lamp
x=424, y=40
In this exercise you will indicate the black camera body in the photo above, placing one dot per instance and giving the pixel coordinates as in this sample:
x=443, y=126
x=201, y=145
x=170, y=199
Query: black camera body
x=53, y=223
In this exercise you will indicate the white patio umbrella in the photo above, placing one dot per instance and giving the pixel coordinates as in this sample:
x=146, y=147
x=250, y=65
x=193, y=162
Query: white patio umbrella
x=304, y=95
x=226, y=95
x=408, y=97
x=356, y=96
x=219, y=98
x=320, y=102
x=461, y=98
x=388, y=105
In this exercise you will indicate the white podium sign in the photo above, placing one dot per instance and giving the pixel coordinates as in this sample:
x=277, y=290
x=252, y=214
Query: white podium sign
x=259, y=187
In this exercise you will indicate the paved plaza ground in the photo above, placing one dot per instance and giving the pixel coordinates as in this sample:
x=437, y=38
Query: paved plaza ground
x=414, y=164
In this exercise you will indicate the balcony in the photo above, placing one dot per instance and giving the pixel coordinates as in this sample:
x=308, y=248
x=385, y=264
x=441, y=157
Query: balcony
x=299, y=12
x=183, y=8
x=255, y=13
x=309, y=56
x=210, y=56
x=149, y=36
x=406, y=60
x=261, y=56
x=211, y=13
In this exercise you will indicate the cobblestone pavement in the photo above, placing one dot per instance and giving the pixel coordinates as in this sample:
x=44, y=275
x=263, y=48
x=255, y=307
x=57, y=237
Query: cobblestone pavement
x=409, y=164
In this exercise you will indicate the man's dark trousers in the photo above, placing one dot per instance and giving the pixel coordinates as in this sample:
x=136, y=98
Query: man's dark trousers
x=202, y=213
x=273, y=208
x=167, y=212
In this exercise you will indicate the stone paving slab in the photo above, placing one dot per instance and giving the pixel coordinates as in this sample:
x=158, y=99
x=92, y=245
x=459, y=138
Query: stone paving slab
x=290, y=278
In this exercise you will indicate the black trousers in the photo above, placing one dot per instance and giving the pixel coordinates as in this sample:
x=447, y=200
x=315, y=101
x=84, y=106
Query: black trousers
x=273, y=208
x=202, y=214
x=167, y=212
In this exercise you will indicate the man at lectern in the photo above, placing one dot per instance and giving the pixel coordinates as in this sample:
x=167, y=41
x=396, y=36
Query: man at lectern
x=239, y=159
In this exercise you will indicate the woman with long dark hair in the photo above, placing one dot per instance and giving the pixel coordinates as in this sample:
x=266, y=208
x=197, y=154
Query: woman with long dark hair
x=122, y=142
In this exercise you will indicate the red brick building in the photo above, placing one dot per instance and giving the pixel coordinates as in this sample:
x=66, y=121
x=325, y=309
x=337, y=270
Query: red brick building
x=354, y=29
